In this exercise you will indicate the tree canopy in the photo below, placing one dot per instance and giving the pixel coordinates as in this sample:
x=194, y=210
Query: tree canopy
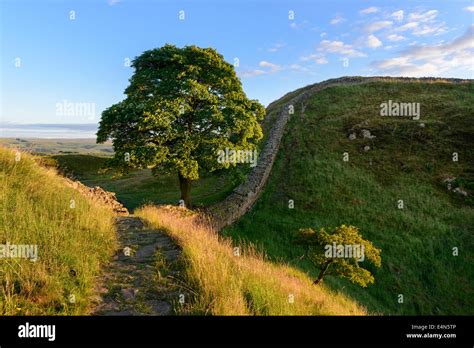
x=182, y=106
x=340, y=252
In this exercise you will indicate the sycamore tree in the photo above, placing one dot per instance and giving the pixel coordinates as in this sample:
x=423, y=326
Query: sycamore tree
x=340, y=252
x=182, y=106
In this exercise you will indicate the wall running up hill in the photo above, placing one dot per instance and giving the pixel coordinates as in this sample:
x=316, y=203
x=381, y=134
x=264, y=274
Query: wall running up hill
x=245, y=195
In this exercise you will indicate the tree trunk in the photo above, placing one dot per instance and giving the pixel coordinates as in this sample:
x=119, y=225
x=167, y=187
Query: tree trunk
x=323, y=271
x=185, y=187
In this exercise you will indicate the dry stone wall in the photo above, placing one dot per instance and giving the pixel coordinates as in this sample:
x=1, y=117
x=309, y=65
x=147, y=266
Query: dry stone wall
x=99, y=194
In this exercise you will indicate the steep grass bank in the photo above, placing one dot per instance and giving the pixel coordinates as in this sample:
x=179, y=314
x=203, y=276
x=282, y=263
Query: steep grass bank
x=406, y=160
x=73, y=236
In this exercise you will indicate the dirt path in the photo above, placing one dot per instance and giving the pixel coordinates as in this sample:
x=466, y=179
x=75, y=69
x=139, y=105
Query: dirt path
x=140, y=280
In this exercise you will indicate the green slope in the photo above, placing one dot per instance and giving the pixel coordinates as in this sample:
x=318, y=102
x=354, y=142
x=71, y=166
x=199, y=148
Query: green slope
x=72, y=241
x=140, y=186
x=406, y=161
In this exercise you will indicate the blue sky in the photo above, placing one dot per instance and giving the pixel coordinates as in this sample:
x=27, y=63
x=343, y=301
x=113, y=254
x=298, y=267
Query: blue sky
x=48, y=57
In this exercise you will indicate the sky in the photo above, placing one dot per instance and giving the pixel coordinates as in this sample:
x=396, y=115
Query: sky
x=66, y=61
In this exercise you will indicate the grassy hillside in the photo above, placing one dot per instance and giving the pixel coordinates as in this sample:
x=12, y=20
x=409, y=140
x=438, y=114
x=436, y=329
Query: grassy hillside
x=407, y=160
x=224, y=282
x=72, y=240
x=140, y=186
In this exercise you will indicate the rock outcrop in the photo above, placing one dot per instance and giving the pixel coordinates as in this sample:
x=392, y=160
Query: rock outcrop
x=99, y=194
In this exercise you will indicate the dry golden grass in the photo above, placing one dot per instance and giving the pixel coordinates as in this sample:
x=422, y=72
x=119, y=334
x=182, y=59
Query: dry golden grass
x=226, y=284
x=35, y=209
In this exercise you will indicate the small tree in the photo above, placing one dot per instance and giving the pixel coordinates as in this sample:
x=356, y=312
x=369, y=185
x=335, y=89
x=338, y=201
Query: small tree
x=182, y=106
x=340, y=253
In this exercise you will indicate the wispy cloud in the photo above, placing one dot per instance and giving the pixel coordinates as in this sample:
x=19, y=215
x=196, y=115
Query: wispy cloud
x=336, y=20
x=315, y=57
x=276, y=47
x=113, y=2
x=398, y=15
x=423, y=23
x=268, y=68
x=251, y=73
x=469, y=9
x=407, y=26
x=272, y=68
x=299, y=67
x=339, y=47
x=418, y=29
x=427, y=16
x=373, y=42
x=435, y=29
x=300, y=25
x=432, y=60
x=368, y=10
x=395, y=37
x=376, y=26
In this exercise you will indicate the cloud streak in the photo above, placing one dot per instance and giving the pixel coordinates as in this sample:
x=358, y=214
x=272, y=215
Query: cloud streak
x=266, y=68
x=339, y=47
x=376, y=26
x=337, y=20
x=432, y=60
x=368, y=10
